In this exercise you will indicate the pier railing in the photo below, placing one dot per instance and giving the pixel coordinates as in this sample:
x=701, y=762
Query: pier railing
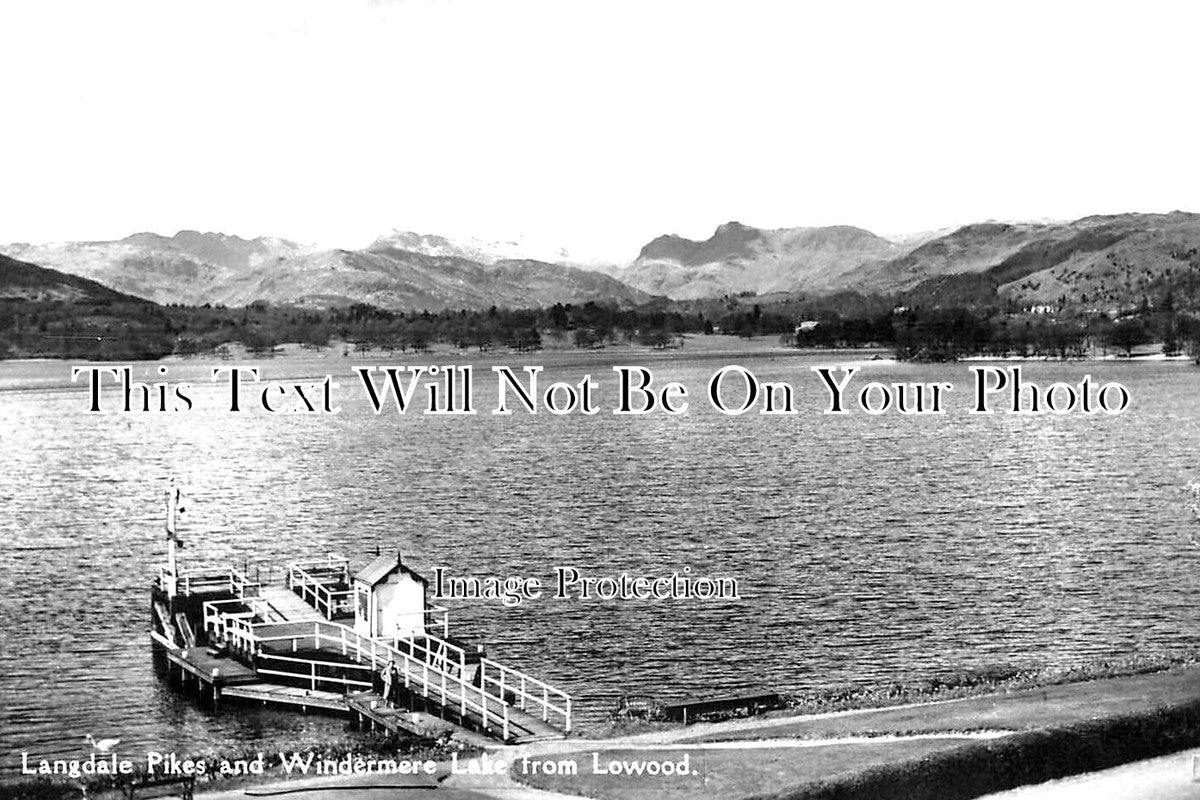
x=211, y=580
x=231, y=627
x=312, y=579
x=432, y=618
x=197, y=581
x=241, y=586
x=328, y=563
x=449, y=690
x=435, y=650
x=309, y=669
x=528, y=691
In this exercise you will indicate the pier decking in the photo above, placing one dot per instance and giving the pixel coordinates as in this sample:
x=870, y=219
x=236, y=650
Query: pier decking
x=288, y=696
x=209, y=668
x=288, y=605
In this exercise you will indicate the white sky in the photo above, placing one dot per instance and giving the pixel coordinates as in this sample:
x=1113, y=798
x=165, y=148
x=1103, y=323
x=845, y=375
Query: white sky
x=595, y=125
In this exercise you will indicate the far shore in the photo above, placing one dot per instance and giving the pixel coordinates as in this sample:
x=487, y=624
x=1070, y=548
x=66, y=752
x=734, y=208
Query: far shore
x=691, y=345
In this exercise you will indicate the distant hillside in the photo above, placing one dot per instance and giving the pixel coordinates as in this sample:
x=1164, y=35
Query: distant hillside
x=22, y=281
x=44, y=312
x=197, y=268
x=189, y=267
x=1104, y=262
x=972, y=248
x=738, y=258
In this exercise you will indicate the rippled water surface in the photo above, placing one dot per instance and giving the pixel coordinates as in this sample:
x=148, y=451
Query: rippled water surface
x=867, y=549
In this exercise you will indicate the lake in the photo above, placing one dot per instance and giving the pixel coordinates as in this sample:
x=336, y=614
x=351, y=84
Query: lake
x=867, y=549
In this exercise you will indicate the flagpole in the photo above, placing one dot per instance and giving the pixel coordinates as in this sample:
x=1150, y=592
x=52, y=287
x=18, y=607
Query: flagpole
x=172, y=509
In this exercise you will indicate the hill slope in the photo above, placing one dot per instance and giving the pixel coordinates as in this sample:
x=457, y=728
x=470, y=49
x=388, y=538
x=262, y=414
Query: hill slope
x=1104, y=262
x=44, y=312
x=20, y=280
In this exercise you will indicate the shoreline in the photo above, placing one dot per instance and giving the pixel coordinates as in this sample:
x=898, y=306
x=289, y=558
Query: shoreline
x=938, y=716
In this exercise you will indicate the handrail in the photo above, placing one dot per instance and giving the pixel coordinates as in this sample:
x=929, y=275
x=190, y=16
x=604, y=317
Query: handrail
x=311, y=674
x=210, y=578
x=430, y=678
x=241, y=586
x=438, y=653
x=433, y=611
x=330, y=561
x=232, y=627
x=506, y=684
x=448, y=689
x=325, y=600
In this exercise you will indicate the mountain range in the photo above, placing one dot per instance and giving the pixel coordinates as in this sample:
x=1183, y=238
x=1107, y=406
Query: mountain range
x=400, y=272
x=1095, y=261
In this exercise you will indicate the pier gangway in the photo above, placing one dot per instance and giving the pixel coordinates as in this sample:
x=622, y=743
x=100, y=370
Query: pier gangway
x=502, y=701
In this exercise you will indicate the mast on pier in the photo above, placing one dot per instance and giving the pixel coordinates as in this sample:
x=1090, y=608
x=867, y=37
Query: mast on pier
x=174, y=509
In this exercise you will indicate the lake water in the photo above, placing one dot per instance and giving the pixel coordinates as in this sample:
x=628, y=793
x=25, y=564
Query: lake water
x=868, y=549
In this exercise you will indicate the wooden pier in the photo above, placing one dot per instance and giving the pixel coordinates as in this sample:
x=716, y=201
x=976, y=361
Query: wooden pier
x=282, y=645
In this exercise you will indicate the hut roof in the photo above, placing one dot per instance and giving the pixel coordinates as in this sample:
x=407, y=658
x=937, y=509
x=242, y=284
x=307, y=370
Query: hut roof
x=384, y=565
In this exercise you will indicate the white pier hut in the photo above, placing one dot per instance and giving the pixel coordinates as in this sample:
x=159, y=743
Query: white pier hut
x=389, y=600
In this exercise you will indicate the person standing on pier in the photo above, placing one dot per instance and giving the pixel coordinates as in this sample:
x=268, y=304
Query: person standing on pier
x=389, y=673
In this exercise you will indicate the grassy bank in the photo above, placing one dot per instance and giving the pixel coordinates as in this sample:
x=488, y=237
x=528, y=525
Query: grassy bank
x=910, y=742
x=1026, y=758
x=951, y=686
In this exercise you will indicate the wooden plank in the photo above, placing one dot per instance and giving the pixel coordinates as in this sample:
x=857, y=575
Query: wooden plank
x=287, y=695
x=185, y=629
x=164, y=619
x=289, y=606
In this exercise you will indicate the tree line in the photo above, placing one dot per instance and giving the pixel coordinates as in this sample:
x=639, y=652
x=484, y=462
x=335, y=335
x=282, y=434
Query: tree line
x=108, y=330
